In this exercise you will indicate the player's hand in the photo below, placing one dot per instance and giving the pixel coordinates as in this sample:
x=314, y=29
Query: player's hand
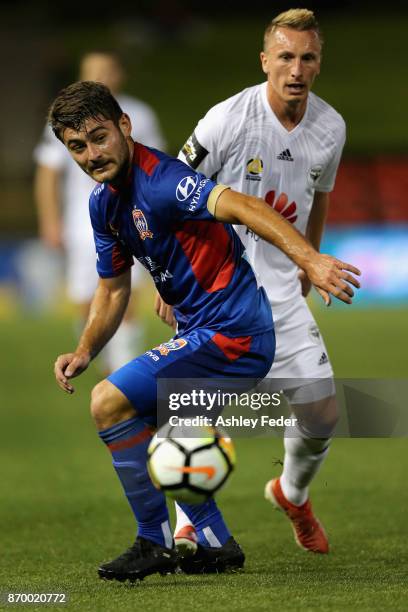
x=305, y=283
x=331, y=276
x=164, y=311
x=68, y=366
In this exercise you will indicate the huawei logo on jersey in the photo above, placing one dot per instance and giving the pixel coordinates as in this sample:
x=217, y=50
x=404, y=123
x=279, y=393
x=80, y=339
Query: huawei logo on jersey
x=282, y=206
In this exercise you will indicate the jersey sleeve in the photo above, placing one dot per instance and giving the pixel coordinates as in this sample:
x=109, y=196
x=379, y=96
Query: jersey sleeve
x=327, y=178
x=50, y=151
x=178, y=192
x=112, y=257
x=205, y=150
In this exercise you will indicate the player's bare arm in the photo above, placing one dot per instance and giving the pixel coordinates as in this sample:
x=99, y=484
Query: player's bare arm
x=164, y=311
x=314, y=230
x=107, y=309
x=46, y=193
x=330, y=276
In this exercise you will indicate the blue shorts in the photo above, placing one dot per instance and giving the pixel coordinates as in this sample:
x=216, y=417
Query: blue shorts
x=201, y=353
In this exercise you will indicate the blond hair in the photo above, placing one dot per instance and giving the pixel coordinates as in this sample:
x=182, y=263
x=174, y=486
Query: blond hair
x=296, y=19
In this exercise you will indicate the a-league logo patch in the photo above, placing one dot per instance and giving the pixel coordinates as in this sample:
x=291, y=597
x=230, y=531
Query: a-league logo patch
x=172, y=345
x=141, y=224
x=254, y=168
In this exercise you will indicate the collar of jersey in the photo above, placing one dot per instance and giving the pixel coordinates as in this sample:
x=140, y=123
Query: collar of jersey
x=274, y=118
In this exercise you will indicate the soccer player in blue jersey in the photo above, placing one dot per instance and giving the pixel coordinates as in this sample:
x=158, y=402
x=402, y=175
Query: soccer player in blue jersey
x=175, y=221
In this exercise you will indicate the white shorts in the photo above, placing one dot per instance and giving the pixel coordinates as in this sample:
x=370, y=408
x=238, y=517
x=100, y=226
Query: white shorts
x=81, y=274
x=300, y=350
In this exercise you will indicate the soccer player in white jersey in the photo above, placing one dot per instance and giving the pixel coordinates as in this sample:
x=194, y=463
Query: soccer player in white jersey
x=281, y=142
x=62, y=193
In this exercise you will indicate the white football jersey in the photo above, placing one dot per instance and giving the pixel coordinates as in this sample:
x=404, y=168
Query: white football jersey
x=76, y=186
x=240, y=142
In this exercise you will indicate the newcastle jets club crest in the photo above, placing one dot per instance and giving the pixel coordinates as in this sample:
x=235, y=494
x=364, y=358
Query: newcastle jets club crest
x=141, y=224
x=172, y=345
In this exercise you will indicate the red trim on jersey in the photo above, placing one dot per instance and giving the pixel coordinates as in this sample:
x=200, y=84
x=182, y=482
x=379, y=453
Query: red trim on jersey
x=129, y=442
x=208, y=247
x=119, y=262
x=233, y=348
x=145, y=159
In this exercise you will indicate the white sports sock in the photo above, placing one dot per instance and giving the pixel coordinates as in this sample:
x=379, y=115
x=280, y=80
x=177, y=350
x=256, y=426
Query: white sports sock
x=182, y=518
x=123, y=347
x=303, y=458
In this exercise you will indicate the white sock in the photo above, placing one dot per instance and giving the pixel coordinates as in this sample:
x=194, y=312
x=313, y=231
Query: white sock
x=182, y=518
x=123, y=347
x=303, y=458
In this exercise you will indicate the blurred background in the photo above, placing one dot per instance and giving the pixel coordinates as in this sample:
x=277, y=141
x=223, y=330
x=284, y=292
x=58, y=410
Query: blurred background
x=181, y=58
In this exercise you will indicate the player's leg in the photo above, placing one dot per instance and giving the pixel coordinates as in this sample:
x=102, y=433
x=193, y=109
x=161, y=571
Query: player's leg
x=127, y=435
x=307, y=443
x=201, y=354
x=135, y=386
x=306, y=447
x=202, y=525
x=185, y=534
x=200, y=358
x=303, y=370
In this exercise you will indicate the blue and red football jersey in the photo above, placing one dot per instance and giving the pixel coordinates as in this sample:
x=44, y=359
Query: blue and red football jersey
x=197, y=263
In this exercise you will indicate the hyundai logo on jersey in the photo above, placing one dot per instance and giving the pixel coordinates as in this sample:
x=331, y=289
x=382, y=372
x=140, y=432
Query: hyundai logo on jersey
x=186, y=187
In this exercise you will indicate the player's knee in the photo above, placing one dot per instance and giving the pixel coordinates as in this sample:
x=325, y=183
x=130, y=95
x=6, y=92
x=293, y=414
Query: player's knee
x=318, y=419
x=109, y=406
x=328, y=415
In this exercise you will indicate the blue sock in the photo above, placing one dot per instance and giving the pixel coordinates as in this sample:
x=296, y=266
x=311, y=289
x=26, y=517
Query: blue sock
x=208, y=522
x=128, y=442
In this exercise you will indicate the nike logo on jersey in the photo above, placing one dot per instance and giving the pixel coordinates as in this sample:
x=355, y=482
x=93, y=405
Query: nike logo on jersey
x=285, y=155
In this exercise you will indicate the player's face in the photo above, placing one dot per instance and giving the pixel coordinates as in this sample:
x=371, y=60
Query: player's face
x=291, y=61
x=101, y=149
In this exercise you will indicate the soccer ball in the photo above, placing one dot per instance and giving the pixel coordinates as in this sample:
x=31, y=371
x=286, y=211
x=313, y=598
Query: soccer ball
x=190, y=469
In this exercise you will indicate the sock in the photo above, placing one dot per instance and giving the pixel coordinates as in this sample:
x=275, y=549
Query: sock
x=209, y=524
x=303, y=458
x=128, y=442
x=181, y=517
x=123, y=347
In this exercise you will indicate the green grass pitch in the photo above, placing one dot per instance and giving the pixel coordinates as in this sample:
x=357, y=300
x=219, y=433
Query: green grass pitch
x=62, y=511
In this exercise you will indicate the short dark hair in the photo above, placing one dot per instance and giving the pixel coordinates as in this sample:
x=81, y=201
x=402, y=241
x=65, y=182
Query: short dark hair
x=81, y=101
